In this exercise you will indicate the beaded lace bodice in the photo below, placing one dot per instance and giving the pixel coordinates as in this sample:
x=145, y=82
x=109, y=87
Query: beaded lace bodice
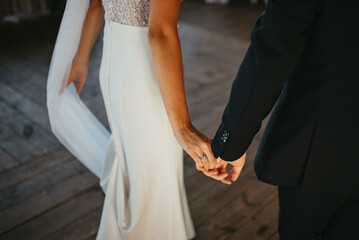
x=129, y=12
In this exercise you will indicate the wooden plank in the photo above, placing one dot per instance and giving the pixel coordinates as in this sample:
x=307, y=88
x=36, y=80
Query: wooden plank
x=93, y=237
x=202, y=187
x=235, y=209
x=17, y=147
x=213, y=117
x=42, y=202
x=35, y=167
x=57, y=218
x=19, y=102
x=261, y=226
x=188, y=166
x=6, y=162
x=191, y=85
x=212, y=100
x=83, y=228
x=274, y=237
x=217, y=57
x=37, y=59
x=233, y=22
x=217, y=92
x=221, y=196
x=20, y=192
x=23, y=83
x=28, y=130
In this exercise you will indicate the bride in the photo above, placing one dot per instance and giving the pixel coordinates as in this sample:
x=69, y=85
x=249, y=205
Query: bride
x=140, y=164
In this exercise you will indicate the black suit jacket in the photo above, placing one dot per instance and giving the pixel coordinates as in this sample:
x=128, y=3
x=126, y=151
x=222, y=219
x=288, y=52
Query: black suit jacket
x=304, y=59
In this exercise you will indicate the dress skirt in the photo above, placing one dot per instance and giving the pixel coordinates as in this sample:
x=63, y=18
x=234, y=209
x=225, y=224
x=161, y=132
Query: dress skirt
x=145, y=196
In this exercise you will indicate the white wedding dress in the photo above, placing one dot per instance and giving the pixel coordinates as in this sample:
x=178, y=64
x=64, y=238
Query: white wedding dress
x=145, y=193
x=140, y=163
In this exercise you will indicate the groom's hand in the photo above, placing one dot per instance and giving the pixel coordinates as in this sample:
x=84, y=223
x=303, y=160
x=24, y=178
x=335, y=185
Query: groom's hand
x=221, y=174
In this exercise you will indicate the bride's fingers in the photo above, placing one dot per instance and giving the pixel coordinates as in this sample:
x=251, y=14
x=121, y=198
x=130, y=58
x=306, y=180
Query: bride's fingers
x=205, y=163
x=202, y=169
x=208, y=152
x=195, y=158
x=203, y=158
x=215, y=174
x=199, y=168
x=222, y=169
x=221, y=175
x=205, y=171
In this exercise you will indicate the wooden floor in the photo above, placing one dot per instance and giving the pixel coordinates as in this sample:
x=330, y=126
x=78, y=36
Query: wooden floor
x=45, y=193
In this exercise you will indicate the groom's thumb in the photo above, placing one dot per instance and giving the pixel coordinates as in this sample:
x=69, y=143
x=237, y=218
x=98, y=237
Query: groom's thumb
x=236, y=171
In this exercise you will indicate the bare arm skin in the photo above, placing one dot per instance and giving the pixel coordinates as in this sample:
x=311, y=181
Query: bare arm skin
x=167, y=58
x=92, y=27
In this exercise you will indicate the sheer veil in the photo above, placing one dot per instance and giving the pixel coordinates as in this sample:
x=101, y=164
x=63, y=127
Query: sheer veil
x=71, y=121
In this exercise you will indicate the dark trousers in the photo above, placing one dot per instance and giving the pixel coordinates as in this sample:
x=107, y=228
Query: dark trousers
x=317, y=215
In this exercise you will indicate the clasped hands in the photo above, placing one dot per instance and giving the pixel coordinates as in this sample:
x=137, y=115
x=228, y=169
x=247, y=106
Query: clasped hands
x=198, y=146
x=219, y=172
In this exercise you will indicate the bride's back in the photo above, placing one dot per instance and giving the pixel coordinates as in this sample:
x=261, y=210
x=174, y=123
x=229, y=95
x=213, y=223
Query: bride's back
x=129, y=12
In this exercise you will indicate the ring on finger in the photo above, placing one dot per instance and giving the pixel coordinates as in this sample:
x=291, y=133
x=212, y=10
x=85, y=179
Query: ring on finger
x=203, y=157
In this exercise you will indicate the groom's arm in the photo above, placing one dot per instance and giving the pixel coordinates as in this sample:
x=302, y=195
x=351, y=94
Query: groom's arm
x=277, y=42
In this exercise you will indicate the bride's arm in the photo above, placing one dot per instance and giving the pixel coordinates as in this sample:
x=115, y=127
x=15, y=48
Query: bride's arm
x=91, y=29
x=166, y=54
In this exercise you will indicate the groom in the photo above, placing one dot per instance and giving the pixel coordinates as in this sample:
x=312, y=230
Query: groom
x=304, y=59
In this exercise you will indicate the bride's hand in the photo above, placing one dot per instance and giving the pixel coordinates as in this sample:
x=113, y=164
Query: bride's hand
x=197, y=145
x=78, y=73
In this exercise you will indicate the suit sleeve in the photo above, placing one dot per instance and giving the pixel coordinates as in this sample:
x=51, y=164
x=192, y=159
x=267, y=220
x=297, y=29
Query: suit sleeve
x=277, y=41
